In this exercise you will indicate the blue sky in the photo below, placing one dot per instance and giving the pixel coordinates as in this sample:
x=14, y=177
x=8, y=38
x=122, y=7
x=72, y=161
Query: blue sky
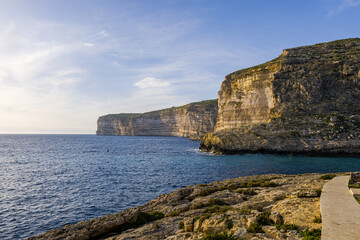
x=65, y=63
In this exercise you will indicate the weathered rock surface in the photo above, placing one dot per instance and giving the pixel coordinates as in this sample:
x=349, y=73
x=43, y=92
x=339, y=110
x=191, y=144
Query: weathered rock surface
x=281, y=205
x=192, y=120
x=304, y=101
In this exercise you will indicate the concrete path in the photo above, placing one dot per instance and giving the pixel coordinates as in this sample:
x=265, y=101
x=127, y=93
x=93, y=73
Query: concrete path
x=340, y=211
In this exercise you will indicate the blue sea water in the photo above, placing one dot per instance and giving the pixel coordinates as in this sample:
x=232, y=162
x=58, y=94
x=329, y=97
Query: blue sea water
x=47, y=181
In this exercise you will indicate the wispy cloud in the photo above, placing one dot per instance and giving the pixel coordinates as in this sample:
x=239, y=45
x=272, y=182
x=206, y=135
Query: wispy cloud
x=62, y=76
x=339, y=6
x=151, y=82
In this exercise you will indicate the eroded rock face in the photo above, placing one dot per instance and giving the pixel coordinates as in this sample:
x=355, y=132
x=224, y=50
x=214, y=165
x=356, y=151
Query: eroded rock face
x=305, y=101
x=192, y=120
x=274, y=202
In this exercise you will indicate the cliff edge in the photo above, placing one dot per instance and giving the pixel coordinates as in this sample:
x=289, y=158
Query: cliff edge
x=193, y=120
x=304, y=101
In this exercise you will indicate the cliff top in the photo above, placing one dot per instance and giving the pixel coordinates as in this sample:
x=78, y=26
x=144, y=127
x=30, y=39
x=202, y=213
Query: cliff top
x=207, y=104
x=333, y=51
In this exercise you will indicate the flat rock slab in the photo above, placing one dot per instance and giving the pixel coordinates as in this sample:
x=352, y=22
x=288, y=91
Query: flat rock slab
x=340, y=211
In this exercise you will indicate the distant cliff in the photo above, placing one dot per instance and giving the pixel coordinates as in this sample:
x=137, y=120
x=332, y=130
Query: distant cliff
x=192, y=120
x=305, y=101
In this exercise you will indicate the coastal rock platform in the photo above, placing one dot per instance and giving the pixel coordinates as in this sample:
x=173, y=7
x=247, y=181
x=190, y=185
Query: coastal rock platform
x=255, y=207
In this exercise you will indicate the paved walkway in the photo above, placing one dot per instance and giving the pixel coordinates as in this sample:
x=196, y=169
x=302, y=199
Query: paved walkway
x=340, y=211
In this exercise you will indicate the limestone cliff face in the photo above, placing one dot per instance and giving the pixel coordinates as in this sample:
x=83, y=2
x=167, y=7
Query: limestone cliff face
x=306, y=101
x=192, y=120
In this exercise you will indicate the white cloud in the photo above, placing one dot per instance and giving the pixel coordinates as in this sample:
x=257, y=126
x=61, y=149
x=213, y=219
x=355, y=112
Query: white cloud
x=150, y=82
x=342, y=5
x=88, y=44
x=103, y=33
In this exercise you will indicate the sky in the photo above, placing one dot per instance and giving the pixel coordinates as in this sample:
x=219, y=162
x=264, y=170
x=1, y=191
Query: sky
x=64, y=63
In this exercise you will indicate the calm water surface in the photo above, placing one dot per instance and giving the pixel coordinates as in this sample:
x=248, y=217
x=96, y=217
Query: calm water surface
x=47, y=181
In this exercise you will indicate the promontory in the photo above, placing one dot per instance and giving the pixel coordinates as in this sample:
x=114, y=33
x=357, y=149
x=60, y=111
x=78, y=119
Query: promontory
x=305, y=101
x=193, y=120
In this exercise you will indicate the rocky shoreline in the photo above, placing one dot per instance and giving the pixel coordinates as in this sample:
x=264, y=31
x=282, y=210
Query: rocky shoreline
x=271, y=206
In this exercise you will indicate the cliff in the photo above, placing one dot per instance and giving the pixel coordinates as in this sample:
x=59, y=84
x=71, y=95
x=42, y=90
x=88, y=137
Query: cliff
x=192, y=120
x=304, y=101
x=255, y=207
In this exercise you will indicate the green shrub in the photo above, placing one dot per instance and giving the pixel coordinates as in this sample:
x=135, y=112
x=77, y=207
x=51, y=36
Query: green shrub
x=197, y=205
x=255, y=228
x=148, y=217
x=318, y=191
x=258, y=183
x=317, y=219
x=328, y=176
x=249, y=192
x=220, y=236
x=181, y=225
x=207, y=191
x=217, y=209
x=244, y=211
x=177, y=212
x=229, y=224
x=215, y=201
x=313, y=234
x=286, y=227
x=264, y=218
x=202, y=185
x=155, y=215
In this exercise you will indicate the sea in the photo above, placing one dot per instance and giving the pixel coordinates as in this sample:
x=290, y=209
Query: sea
x=48, y=181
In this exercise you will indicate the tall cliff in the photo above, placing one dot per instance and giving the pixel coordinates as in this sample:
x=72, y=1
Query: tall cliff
x=192, y=120
x=307, y=101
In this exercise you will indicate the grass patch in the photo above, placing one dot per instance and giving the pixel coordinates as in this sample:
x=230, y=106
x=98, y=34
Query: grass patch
x=313, y=234
x=220, y=236
x=328, y=176
x=255, y=228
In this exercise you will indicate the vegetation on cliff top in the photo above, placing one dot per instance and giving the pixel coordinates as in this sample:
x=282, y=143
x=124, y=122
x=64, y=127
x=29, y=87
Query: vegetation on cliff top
x=207, y=104
x=276, y=63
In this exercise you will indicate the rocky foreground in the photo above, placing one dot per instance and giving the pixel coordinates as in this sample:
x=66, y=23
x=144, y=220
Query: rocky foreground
x=254, y=207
